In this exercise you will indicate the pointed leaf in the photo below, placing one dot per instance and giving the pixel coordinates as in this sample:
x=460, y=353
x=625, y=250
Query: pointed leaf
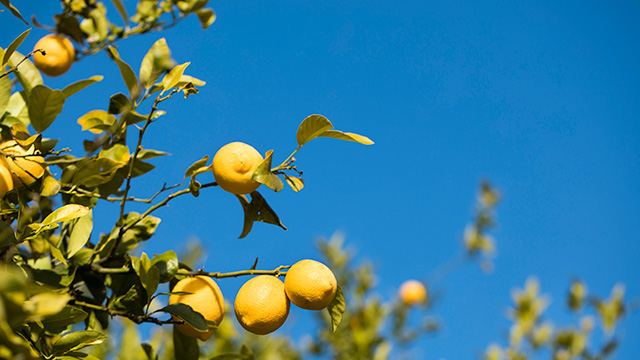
x=263, y=174
x=69, y=315
x=13, y=46
x=336, y=309
x=80, y=233
x=186, y=313
x=150, y=154
x=296, y=183
x=336, y=134
x=18, y=108
x=206, y=17
x=122, y=11
x=311, y=128
x=5, y=93
x=77, y=340
x=97, y=121
x=65, y=213
x=155, y=62
x=127, y=73
x=119, y=103
x=195, y=166
x=167, y=264
x=173, y=77
x=79, y=85
x=257, y=210
x=50, y=186
x=13, y=10
x=44, y=106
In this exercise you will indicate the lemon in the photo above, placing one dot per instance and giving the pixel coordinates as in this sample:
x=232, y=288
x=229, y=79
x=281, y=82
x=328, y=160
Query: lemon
x=412, y=292
x=6, y=182
x=60, y=54
x=24, y=170
x=310, y=285
x=261, y=305
x=233, y=167
x=205, y=298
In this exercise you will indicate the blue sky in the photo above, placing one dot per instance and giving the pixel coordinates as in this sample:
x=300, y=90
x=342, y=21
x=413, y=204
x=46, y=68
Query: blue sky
x=541, y=98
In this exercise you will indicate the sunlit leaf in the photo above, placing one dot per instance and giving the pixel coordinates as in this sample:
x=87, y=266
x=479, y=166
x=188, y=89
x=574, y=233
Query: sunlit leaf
x=27, y=74
x=69, y=315
x=77, y=340
x=336, y=309
x=167, y=264
x=80, y=85
x=50, y=186
x=65, y=213
x=146, y=154
x=5, y=93
x=173, y=77
x=18, y=108
x=97, y=121
x=13, y=46
x=311, y=128
x=336, y=134
x=46, y=303
x=196, y=166
x=127, y=73
x=44, y=106
x=155, y=62
x=296, y=183
x=13, y=10
x=122, y=11
x=263, y=174
x=80, y=233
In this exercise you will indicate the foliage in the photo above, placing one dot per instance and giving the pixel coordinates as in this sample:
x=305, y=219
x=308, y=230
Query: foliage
x=68, y=291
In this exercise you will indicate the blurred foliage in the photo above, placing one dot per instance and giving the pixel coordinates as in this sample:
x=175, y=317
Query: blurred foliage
x=70, y=291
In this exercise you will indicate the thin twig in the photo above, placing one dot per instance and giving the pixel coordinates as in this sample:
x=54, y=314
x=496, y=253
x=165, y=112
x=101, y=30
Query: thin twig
x=15, y=68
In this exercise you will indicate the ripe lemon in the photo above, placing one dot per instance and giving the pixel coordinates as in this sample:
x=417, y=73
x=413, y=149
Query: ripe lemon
x=261, y=305
x=23, y=170
x=310, y=285
x=412, y=292
x=6, y=182
x=205, y=298
x=233, y=167
x=60, y=55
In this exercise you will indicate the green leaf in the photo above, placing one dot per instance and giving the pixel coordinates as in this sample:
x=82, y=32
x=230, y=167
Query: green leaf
x=206, y=17
x=336, y=134
x=97, y=121
x=69, y=315
x=150, y=154
x=149, y=351
x=129, y=77
x=13, y=10
x=7, y=236
x=257, y=210
x=50, y=186
x=185, y=347
x=119, y=103
x=186, y=313
x=122, y=11
x=5, y=94
x=196, y=166
x=263, y=174
x=167, y=264
x=117, y=152
x=311, y=128
x=155, y=62
x=44, y=106
x=80, y=233
x=336, y=309
x=149, y=275
x=65, y=213
x=184, y=81
x=77, y=340
x=13, y=46
x=296, y=183
x=80, y=85
x=173, y=77
x=27, y=74
x=94, y=172
x=230, y=356
x=67, y=24
x=132, y=117
x=18, y=108
x=46, y=303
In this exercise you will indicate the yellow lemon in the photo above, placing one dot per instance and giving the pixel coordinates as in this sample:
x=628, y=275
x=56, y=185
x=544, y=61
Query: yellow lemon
x=205, y=298
x=233, y=167
x=261, y=305
x=412, y=292
x=310, y=285
x=60, y=54
x=24, y=170
x=6, y=182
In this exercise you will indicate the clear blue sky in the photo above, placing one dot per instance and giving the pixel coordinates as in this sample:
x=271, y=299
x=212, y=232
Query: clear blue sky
x=541, y=98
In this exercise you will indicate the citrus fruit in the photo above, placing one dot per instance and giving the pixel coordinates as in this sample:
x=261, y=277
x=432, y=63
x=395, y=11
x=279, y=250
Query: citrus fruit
x=233, y=167
x=6, y=182
x=261, y=305
x=23, y=170
x=412, y=292
x=205, y=298
x=310, y=285
x=60, y=54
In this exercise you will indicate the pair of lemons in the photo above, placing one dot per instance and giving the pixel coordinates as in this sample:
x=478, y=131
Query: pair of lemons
x=262, y=304
x=21, y=170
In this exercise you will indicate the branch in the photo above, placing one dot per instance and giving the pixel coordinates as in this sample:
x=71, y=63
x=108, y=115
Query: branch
x=15, y=68
x=138, y=319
